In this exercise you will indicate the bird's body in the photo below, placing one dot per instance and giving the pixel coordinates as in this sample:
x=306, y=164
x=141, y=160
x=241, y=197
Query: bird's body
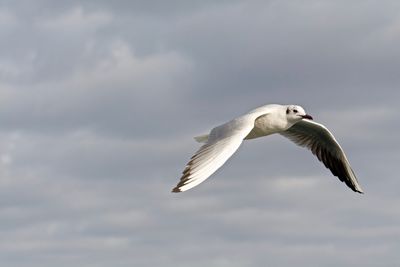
x=290, y=121
x=269, y=122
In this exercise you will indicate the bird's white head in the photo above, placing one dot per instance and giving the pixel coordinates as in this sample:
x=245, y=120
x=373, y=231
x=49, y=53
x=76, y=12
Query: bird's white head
x=296, y=113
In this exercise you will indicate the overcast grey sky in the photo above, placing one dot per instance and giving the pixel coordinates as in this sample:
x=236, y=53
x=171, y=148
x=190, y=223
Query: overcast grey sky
x=99, y=101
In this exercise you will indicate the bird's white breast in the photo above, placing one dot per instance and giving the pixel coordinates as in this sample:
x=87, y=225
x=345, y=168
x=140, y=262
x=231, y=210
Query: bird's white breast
x=268, y=124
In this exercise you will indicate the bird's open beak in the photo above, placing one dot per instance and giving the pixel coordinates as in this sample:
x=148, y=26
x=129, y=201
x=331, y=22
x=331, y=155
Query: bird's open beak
x=307, y=117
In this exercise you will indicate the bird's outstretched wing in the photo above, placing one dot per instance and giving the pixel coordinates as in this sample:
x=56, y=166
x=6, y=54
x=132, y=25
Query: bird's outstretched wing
x=323, y=144
x=222, y=142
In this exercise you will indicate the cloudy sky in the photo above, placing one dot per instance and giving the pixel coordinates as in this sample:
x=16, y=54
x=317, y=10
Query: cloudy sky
x=99, y=101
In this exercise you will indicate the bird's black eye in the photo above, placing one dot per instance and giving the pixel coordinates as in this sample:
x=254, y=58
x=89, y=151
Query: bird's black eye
x=295, y=110
x=287, y=111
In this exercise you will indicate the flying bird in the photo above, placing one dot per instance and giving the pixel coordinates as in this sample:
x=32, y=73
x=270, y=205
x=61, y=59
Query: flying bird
x=291, y=121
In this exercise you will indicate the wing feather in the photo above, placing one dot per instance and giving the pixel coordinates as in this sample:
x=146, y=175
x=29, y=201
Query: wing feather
x=222, y=142
x=324, y=146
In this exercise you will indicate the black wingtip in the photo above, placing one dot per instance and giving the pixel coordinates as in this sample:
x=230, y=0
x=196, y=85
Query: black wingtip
x=357, y=190
x=176, y=190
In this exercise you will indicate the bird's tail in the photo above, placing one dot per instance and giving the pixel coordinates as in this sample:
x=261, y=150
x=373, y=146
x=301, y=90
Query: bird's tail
x=201, y=138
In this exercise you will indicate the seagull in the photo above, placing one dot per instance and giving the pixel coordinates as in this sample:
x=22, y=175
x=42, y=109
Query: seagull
x=291, y=121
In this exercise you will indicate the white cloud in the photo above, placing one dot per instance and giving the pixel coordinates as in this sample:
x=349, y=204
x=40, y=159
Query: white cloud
x=117, y=83
x=7, y=19
x=288, y=184
x=360, y=123
x=152, y=75
x=76, y=19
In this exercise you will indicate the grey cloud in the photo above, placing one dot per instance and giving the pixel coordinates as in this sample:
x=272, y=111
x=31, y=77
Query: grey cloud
x=99, y=102
x=310, y=53
x=120, y=86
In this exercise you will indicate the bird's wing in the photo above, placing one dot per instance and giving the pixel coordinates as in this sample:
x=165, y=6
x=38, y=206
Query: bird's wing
x=222, y=142
x=323, y=144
